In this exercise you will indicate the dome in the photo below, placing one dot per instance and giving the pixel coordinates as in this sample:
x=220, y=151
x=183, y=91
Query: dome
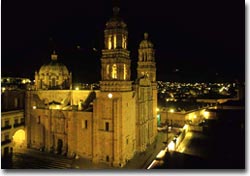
x=54, y=67
x=53, y=75
x=146, y=43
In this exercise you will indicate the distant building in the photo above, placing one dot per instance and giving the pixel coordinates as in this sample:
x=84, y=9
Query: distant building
x=108, y=125
x=179, y=119
x=12, y=131
x=14, y=83
x=12, y=120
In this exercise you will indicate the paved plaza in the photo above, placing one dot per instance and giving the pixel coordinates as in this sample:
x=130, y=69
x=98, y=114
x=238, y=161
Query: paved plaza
x=33, y=159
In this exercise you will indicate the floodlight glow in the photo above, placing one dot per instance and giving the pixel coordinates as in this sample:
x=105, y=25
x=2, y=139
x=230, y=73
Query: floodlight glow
x=110, y=95
x=171, y=110
x=171, y=146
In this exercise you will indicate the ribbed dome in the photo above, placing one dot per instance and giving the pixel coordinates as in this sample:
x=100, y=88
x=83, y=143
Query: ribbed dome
x=53, y=75
x=54, y=67
x=146, y=43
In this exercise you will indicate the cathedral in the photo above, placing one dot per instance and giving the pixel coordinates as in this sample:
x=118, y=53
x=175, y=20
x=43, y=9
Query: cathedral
x=109, y=125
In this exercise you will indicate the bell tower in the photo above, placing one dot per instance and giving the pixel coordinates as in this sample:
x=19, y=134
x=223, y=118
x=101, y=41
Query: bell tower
x=146, y=62
x=114, y=106
x=115, y=61
x=146, y=70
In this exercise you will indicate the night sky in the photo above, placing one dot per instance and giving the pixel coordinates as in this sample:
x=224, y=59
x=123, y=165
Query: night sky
x=194, y=40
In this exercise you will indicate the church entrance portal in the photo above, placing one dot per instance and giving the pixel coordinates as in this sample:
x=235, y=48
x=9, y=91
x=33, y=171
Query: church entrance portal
x=59, y=146
x=6, y=152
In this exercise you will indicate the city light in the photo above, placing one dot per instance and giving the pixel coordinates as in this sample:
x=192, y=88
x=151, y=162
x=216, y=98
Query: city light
x=157, y=109
x=110, y=95
x=77, y=88
x=206, y=114
x=185, y=127
x=171, y=110
x=34, y=107
x=161, y=154
x=3, y=89
x=171, y=146
x=152, y=164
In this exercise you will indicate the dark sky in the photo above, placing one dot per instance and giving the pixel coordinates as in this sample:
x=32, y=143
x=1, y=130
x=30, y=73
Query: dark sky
x=204, y=40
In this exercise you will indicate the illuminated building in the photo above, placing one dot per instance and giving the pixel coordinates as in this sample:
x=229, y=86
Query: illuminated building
x=146, y=89
x=53, y=75
x=12, y=120
x=108, y=125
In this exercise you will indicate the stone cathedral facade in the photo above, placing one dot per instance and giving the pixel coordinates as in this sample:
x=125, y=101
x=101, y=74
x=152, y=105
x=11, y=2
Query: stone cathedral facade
x=108, y=125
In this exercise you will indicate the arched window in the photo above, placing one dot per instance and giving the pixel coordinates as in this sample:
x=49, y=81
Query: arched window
x=123, y=41
x=114, y=71
x=53, y=82
x=107, y=70
x=114, y=37
x=109, y=42
x=125, y=73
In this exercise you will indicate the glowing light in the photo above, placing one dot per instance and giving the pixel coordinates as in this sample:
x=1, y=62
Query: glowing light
x=107, y=69
x=125, y=72
x=171, y=110
x=34, y=107
x=152, y=164
x=114, y=41
x=110, y=95
x=124, y=42
x=53, y=106
x=114, y=71
x=19, y=137
x=221, y=89
x=109, y=43
x=157, y=109
x=206, y=114
x=185, y=127
x=161, y=154
x=171, y=146
x=3, y=89
x=195, y=116
x=182, y=150
x=77, y=88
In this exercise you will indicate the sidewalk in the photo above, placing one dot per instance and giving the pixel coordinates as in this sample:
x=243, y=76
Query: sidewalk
x=143, y=160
